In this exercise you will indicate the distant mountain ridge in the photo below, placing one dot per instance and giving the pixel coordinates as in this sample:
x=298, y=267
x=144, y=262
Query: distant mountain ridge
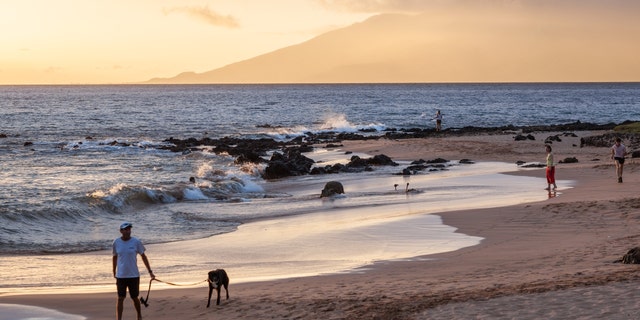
x=436, y=47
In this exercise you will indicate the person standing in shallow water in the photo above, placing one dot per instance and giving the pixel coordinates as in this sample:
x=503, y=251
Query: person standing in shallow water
x=125, y=268
x=551, y=170
x=618, y=152
x=438, y=118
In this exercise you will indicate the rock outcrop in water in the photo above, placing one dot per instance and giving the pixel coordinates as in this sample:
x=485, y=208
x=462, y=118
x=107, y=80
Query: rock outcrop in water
x=289, y=163
x=332, y=188
x=288, y=159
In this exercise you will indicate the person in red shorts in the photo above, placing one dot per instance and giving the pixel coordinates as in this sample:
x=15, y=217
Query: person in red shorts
x=551, y=169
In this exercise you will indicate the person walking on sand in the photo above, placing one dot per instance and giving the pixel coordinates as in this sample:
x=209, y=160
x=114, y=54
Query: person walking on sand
x=438, y=118
x=125, y=268
x=551, y=170
x=618, y=152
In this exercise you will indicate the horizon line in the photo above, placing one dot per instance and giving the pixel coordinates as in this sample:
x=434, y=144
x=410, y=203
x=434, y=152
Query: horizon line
x=313, y=83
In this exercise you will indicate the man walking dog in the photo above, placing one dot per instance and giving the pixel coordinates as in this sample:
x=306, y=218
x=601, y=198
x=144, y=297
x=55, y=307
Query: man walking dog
x=125, y=268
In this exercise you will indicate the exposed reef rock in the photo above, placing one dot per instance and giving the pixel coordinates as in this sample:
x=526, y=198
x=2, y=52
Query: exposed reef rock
x=332, y=188
x=288, y=160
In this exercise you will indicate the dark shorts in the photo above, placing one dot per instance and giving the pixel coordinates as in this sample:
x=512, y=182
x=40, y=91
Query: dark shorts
x=619, y=160
x=133, y=284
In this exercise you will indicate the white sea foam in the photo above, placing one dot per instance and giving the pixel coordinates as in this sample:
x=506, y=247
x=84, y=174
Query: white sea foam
x=332, y=122
x=339, y=123
x=194, y=194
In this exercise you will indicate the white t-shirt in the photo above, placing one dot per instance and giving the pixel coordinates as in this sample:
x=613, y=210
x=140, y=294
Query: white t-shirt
x=619, y=151
x=127, y=252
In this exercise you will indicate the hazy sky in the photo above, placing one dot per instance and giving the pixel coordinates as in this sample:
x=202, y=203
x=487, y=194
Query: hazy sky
x=119, y=41
x=112, y=41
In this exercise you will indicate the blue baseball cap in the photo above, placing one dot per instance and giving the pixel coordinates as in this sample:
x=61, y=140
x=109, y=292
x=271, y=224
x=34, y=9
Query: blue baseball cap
x=125, y=225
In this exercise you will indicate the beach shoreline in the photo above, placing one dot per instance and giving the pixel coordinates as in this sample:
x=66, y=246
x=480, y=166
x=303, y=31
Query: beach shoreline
x=568, y=241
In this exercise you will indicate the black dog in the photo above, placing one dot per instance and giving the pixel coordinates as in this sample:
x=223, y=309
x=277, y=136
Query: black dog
x=217, y=279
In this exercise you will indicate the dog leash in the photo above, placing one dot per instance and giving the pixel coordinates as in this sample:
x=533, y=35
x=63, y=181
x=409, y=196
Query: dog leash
x=183, y=284
x=145, y=301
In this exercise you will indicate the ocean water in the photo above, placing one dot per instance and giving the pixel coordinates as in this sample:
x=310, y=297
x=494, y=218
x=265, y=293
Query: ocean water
x=67, y=190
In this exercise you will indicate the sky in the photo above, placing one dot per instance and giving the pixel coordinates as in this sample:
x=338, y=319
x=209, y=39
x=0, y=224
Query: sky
x=116, y=41
x=125, y=41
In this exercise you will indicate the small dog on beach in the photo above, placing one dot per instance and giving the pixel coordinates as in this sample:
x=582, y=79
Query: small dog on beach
x=218, y=278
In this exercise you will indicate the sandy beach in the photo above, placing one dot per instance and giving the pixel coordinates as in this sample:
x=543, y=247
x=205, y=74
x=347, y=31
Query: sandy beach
x=546, y=260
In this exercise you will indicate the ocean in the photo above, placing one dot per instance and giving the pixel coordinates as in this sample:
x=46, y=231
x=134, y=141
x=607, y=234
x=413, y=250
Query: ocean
x=79, y=160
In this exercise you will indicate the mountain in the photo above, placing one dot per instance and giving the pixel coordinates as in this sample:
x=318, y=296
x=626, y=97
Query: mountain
x=465, y=46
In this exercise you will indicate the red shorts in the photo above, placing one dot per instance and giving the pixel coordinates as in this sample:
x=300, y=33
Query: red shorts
x=551, y=175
